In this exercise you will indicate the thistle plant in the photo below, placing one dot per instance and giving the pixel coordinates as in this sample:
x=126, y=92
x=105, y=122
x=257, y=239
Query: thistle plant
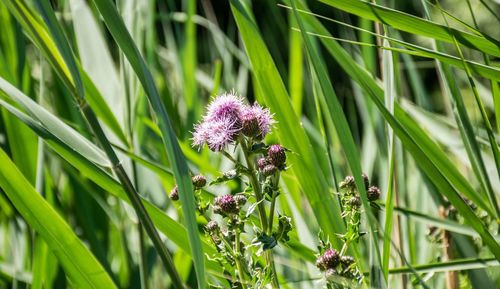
x=245, y=229
x=340, y=269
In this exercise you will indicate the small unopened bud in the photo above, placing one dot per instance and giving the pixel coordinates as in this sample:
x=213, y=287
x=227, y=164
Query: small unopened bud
x=329, y=260
x=250, y=125
x=261, y=163
x=240, y=199
x=226, y=205
x=346, y=260
x=199, y=181
x=373, y=193
x=212, y=227
x=330, y=273
x=366, y=180
x=269, y=170
x=277, y=155
x=348, y=183
x=355, y=201
x=174, y=194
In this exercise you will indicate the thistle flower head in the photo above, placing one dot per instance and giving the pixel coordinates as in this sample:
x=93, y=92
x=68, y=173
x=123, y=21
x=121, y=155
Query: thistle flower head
x=348, y=183
x=199, y=181
x=226, y=205
x=261, y=163
x=346, y=260
x=225, y=106
x=373, y=193
x=212, y=227
x=217, y=133
x=269, y=170
x=329, y=260
x=174, y=194
x=366, y=180
x=256, y=121
x=276, y=155
x=240, y=199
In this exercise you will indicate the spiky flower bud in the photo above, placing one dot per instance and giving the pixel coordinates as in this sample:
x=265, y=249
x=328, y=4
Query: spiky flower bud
x=366, y=180
x=174, y=194
x=250, y=125
x=277, y=155
x=329, y=260
x=330, y=273
x=348, y=183
x=269, y=170
x=240, y=199
x=346, y=260
x=226, y=205
x=355, y=201
x=199, y=181
x=373, y=193
x=261, y=163
x=212, y=227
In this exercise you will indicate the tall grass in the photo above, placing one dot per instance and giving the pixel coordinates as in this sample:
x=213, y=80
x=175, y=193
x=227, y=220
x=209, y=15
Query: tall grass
x=99, y=100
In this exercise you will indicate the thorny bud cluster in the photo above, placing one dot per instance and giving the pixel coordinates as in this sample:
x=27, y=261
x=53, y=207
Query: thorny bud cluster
x=332, y=262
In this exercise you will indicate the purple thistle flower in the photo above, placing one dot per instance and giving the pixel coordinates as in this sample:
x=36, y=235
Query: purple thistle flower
x=256, y=121
x=226, y=204
x=217, y=134
x=329, y=260
x=276, y=155
x=225, y=106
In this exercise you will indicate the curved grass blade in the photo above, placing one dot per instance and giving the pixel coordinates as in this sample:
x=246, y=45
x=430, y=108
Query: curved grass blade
x=430, y=159
x=455, y=265
x=181, y=172
x=415, y=25
x=80, y=265
x=335, y=112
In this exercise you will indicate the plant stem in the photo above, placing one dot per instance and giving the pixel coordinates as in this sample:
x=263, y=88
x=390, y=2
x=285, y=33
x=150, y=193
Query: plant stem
x=132, y=194
x=237, y=252
x=252, y=175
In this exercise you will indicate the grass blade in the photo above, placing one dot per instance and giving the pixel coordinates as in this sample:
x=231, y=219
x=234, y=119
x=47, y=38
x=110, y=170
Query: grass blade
x=80, y=265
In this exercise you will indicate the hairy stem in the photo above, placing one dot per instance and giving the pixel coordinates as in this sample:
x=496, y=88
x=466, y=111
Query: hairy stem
x=237, y=253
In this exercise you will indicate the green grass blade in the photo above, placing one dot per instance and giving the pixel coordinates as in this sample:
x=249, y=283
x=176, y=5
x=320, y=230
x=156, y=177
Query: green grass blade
x=455, y=265
x=335, y=112
x=122, y=37
x=428, y=160
x=50, y=122
x=80, y=265
x=409, y=23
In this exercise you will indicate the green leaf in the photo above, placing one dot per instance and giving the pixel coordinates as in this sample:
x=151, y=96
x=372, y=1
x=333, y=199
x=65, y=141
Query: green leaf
x=415, y=25
x=179, y=166
x=79, y=264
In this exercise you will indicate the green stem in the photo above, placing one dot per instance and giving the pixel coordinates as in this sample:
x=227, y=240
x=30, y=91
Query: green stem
x=237, y=252
x=273, y=203
x=254, y=181
x=132, y=194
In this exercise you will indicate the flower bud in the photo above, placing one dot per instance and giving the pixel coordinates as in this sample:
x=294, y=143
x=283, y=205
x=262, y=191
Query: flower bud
x=240, y=199
x=174, y=194
x=348, y=183
x=199, y=181
x=366, y=180
x=373, y=193
x=261, y=163
x=269, y=170
x=226, y=205
x=355, y=201
x=250, y=125
x=329, y=260
x=212, y=227
x=346, y=260
x=277, y=155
